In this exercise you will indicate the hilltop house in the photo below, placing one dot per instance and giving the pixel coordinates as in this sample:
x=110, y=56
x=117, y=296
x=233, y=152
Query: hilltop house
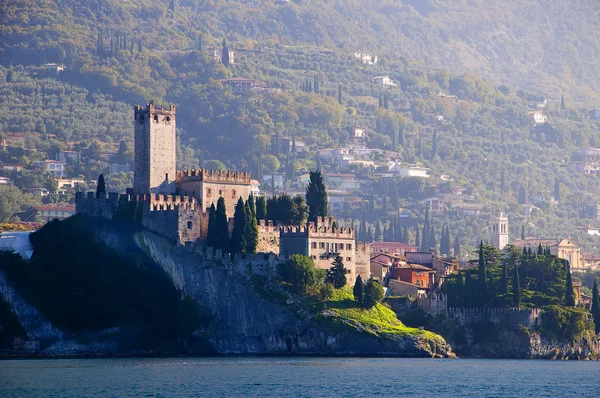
x=595, y=114
x=384, y=81
x=538, y=117
x=240, y=85
x=54, y=167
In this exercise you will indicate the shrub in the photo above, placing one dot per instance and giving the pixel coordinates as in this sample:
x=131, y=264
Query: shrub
x=300, y=272
x=373, y=293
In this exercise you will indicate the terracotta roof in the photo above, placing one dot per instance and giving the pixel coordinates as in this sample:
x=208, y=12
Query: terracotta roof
x=56, y=207
x=416, y=267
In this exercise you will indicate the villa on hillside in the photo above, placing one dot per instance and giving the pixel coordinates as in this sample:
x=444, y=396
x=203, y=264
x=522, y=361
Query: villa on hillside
x=567, y=248
x=384, y=81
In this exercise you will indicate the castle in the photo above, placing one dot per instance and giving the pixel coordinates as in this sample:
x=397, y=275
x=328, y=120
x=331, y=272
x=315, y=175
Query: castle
x=176, y=204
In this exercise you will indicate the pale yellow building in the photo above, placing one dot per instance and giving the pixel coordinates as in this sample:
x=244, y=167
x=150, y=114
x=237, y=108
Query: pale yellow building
x=566, y=248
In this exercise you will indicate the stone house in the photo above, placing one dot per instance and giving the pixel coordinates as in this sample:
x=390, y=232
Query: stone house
x=393, y=248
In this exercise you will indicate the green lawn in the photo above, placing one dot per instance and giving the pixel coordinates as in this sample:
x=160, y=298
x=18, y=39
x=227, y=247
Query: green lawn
x=342, y=310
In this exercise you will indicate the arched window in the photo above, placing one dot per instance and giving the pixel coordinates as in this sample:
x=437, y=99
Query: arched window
x=190, y=225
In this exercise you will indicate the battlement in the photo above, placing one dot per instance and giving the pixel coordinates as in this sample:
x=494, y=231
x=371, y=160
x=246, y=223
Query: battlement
x=317, y=231
x=205, y=175
x=155, y=110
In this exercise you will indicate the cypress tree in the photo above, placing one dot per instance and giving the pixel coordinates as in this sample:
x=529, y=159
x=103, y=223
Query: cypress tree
x=261, y=208
x=524, y=251
x=316, y=196
x=562, y=102
x=456, y=247
x=529, y=251
x=540, y=251
x=101, y=186
x=225, y=54
x=378, y=232
x=140, y=45
x=359, y=290
x=238, y=236
x=482, y=276
x=400, y=136
x=596, y=306
x=223, y=241
x=432, y=239
x=504, y=286
x=516, y=288
x=523, y=233
x=570, y=293
x=337, y=273
x=418, y=236
x=340, y=94
x=251, y=226
x=434, y=145
x=419, y=148
x=211, y=238
x=557, y=189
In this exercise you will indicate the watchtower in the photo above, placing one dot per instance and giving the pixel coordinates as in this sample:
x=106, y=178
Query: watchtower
x=499, y=231
x=155, y=150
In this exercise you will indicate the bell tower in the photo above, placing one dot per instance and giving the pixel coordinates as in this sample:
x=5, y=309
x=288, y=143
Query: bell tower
x=155, y=150
x=499, y=231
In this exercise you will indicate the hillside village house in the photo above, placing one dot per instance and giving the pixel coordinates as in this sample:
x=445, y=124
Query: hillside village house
x=345, y=182
x=69, y=156
x=567, y=248
x=595, y=114
x=274, y=180
x=54, y=167
x=40, y=192
x=360, y=133
x=591, y=260
x=119, y=168
x=68, y=183
x=288, y=145
x=240, y=85
x=410, y=171
x=4, y=180
x=392, y=248
x=339, y=200
x=366, y=57
x=384, y=81
x=538, y=117
x=12, y=167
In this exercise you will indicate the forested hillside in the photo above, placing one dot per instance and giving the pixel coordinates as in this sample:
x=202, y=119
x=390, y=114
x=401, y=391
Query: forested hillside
x=546, y=47
x=472, y=130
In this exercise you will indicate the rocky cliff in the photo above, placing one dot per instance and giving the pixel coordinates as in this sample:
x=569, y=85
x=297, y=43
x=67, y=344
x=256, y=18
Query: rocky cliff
x=242, y=320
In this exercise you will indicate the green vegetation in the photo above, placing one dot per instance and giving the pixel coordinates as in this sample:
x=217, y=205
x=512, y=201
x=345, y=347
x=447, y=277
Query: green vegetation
x=316, y=196
x=537, y=280
x=81, y=286
x=337, y=273
x=596, y=307
x=565, y=323
x=302, y=275
x=378, y=320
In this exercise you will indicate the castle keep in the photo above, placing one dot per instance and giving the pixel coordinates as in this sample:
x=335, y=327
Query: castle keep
x=155, y=150
x=176, y=204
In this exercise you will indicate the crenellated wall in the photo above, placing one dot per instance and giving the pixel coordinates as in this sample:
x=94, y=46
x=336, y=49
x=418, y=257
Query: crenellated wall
x=268, y=237
x=174, y=217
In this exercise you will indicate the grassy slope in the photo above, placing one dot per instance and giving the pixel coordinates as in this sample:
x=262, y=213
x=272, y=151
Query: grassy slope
x=379, y=320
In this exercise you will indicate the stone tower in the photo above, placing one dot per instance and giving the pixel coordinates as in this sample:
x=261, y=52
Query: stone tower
x=499, y=231
x=155, y=150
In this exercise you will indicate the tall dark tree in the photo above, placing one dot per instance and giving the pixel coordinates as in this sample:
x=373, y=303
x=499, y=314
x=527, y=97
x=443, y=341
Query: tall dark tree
x=432, y=238
x=445, y=241
x=522, y=195
x=373, y=293
x=556, y=189
x=401, y=136
x=482, y=275
x=251, y=232
x=562, y=102
x=417, y=235
x=540, y=251
x=523, y=233
x=238, y=236
x=434, y=145
x=340, y=94
x=223, y=241
x=225, y=54
x=211, y=237
x=378, y=232
x=516, y=288
x=359, y=290
x=569, y=292
x=101, y=186
x=316, y=196
x=596, y=306
x=261, y=208
x=172, y=5
x=337, y=273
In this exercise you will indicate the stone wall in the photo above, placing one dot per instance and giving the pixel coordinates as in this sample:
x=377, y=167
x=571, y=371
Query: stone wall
x=268, y=237
x=173, y=217
x=363, y=261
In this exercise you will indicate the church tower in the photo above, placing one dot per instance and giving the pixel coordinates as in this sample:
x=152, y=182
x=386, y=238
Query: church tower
x=499, y=231
x=155, y=150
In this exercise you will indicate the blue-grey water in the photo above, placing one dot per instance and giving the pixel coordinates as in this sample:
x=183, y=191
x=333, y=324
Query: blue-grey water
x=297, y=377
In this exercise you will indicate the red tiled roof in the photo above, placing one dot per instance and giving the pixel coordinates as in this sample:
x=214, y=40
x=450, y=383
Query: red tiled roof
x=55, y=207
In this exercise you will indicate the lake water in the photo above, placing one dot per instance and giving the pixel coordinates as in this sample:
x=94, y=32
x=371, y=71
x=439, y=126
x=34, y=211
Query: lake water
x=296, y=377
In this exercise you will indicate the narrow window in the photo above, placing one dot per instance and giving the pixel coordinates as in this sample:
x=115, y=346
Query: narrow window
x=156, y=118
x=189, y=225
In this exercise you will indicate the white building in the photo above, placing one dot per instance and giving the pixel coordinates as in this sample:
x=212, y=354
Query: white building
x=499, y=231
x=366, y=58
x=411, y=171
x=538, y=117
x=384, y=81
x=54, y=167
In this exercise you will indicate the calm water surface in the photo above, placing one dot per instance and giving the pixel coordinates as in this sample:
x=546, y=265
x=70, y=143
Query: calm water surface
x=300, y=377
